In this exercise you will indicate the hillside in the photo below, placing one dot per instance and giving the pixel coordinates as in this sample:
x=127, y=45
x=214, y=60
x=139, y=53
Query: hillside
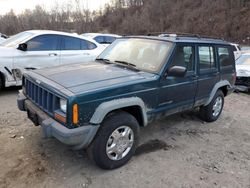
x=228, y=19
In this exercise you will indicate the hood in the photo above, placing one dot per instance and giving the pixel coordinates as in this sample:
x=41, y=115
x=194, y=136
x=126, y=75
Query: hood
x=7, y=51
x=243, y=70
x=86, y=77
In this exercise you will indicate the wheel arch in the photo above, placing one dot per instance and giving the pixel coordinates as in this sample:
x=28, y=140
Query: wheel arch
x=222, y=85
x=134, y=105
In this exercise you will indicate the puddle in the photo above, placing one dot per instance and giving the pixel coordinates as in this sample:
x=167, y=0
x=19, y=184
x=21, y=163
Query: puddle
x=151, y=146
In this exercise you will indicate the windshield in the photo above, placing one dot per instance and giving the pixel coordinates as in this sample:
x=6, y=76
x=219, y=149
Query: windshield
x=17, y=39
x=143, y=54
x=243, y=60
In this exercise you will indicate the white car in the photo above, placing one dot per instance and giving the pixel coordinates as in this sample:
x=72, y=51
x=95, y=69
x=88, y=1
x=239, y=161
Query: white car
x=37, y=49
x=237, y=50
x=243, y=71
x=104, y=39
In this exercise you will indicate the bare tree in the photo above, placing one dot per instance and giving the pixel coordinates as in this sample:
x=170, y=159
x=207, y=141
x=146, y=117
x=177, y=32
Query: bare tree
x=229, y=19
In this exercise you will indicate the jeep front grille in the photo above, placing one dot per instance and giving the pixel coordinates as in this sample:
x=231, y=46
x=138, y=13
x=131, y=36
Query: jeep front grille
x=41, y=97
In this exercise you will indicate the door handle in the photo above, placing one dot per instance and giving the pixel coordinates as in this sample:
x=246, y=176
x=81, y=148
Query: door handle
x=52, y=54
x=86, y=53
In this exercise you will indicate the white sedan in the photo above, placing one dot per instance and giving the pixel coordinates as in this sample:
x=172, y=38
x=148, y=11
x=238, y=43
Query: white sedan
x=243, y=71
x=104, y=39
x=37, y=49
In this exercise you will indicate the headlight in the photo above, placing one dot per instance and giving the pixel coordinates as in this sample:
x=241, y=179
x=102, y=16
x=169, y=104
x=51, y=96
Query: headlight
x=63, y=105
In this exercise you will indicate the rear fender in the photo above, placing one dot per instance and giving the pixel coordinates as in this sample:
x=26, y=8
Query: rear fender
x=215, y=89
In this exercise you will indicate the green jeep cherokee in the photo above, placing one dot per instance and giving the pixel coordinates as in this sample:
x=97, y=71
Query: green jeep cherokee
x=101, y=106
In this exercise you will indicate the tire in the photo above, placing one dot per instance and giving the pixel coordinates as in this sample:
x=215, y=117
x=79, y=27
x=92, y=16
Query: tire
x=113, y=126
x=208, y=113
x=1, y=82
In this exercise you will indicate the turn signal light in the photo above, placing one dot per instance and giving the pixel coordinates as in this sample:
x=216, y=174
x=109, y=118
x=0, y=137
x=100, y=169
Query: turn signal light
x=60, y=117
x=75, y=114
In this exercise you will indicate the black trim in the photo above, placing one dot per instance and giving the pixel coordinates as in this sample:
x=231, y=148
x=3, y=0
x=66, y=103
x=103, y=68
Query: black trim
x=8, y=70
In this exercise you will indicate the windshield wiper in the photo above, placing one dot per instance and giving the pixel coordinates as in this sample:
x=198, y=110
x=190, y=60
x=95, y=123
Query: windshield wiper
x=131, y=65
x=103, y=59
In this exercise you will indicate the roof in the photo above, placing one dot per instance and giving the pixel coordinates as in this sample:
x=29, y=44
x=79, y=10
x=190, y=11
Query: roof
x=184, y=39
x=39, y=32
x=100, y=34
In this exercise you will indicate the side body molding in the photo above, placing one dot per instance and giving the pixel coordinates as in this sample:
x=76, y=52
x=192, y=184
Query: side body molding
x=220, y=84
x=103, y=109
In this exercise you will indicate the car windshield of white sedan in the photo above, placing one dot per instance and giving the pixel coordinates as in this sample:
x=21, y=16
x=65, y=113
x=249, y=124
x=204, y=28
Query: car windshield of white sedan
x=243, y=60
x=142, y=54
x=17, y=39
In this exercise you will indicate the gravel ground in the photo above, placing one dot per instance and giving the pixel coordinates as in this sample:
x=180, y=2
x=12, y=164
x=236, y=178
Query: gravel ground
x=178, y=151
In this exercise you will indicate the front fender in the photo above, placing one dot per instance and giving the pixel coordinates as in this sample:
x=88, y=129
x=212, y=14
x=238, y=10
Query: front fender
x=103, y=109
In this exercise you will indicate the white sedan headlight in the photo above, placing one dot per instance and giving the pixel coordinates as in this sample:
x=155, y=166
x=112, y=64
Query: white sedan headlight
x=63, y=105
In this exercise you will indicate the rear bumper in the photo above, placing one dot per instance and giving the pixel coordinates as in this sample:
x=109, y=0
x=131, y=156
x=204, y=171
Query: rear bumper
x=78, y=138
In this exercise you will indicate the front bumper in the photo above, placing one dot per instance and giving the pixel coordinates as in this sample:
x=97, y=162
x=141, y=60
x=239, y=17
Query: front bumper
x=243, y=81
x=78, y=138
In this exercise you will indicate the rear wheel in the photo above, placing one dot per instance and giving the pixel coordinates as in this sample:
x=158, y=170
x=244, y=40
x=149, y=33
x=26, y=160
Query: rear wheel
x=116, y=141
x=212, y=111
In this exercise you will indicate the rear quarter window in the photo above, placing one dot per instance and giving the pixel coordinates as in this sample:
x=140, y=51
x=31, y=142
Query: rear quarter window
x=225, y=57
x=87, y=45
x=234, y=48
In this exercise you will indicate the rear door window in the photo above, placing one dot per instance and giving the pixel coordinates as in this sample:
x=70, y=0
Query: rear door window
x=71, y=43
x=206, y=58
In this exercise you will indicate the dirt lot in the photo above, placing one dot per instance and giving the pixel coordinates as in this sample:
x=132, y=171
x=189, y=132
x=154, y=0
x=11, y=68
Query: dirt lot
x=179, y=151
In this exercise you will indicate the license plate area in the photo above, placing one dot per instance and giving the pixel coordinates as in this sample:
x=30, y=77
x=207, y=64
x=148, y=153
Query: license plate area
x=33, y=117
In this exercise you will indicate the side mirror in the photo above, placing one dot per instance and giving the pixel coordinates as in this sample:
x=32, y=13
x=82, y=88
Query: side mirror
x=22, y=47
x=177, y=71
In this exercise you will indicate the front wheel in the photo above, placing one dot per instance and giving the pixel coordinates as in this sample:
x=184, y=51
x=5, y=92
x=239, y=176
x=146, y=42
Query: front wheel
x=116, y=141
x=212, y=111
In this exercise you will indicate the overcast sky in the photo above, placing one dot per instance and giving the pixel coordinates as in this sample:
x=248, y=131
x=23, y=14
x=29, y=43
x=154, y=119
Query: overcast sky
x=20, y=5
